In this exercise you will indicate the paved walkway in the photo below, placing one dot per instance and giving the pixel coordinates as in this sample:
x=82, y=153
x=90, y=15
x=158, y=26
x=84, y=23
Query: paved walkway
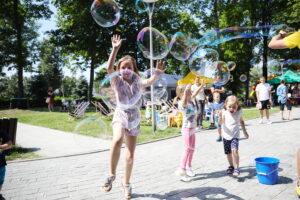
x=81, y=177
x=50, y=143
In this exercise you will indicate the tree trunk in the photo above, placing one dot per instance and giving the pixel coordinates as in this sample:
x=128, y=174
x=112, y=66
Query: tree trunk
x=91, y=82
x=19, y=52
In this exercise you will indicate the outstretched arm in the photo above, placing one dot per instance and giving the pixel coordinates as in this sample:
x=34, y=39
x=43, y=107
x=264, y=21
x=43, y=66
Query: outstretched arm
x=277, y=41
x=157, y=72
x=198, y=89
x=184, y=98
x=116, y=42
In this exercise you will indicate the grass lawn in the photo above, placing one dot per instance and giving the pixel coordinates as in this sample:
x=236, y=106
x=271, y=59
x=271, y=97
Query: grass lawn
x=91, y=125
x=19, y=153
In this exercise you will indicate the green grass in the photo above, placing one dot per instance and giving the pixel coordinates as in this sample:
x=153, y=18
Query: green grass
x=19, y=153
x=92, y=126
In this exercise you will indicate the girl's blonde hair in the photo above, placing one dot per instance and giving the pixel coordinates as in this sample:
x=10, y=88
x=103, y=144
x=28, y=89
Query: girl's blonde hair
x=180, y=90
x=232, y=98
x=133, y=61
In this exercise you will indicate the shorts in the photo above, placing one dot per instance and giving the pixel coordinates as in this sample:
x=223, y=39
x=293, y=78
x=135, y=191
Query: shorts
x=216, y=119
x=230, y=144
x=265, y=105
x=288, y=105
x=2, y=175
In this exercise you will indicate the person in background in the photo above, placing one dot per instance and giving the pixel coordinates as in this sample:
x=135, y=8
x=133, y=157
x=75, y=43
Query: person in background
x=50, y=99
x=200, y=100
x=283, y=99
x=263, y=95
x=215, y=108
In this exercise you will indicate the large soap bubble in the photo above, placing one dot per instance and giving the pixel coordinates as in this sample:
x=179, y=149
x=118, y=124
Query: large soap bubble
x=159, y=41
x=221, y=74
x=180, y=47
x=243, y=78
x=201, y=62
x=106, y=13
x=123, y=95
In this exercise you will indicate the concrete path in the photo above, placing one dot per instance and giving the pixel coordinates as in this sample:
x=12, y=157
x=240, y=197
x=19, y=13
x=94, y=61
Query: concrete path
x=81, y=177
x=49, y=142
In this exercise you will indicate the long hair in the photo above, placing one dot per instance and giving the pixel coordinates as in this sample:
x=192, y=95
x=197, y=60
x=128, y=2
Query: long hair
x=234, y=99
x=127, y=57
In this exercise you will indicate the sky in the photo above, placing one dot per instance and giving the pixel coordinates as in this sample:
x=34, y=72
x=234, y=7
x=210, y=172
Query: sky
x=47, y=25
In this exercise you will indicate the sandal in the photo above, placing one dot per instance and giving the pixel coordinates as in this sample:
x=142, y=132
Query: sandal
x=298, y=189
x=127, y=191
x=108, y=183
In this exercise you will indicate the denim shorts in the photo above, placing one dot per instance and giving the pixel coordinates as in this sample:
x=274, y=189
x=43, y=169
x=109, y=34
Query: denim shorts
x=216, y=119
x=2, y=175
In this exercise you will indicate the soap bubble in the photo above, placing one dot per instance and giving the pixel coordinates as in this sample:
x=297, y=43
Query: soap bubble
x=231, y=65
x=159, y=41
x=128, y=97
x=243, y=78
x=201, y=62
x=106, y=13
x=221, y=74
x=180, y=47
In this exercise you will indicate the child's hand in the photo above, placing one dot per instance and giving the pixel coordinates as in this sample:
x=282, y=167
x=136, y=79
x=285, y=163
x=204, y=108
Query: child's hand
x=219, y=113
x=203, y=83
x=282, y=34
x=160, y=65
x=246, y=134
x=116, y=41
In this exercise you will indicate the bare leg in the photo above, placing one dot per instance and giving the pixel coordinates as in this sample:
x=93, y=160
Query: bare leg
x=236, y=158
x=289, y=114
x=116, y=147
x=267, y=113
x=49, y=107
x=281, y=113
x=220, y=132
x=130, y=142
x=298, y=166
x=229, y=158
x=261, y=114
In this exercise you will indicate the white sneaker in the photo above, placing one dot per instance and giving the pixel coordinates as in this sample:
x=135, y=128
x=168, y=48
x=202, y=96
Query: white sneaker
x=183, y=176
x=180, y=172
x=260, y=121
x=190, y=172
x=269, y=122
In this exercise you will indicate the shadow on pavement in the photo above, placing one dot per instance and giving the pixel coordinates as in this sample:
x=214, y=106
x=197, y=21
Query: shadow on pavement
x=212, y=193
x=250, y=171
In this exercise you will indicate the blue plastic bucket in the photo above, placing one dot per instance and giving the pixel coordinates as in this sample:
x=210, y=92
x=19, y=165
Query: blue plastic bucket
x=267, y=170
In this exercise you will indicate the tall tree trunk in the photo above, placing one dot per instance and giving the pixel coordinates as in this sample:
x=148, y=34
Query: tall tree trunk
x=91, y=82
x=19, y=54
x=265, y=22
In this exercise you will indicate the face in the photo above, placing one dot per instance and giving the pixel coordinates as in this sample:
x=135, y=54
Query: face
x=197, y=81
x=125, y=67
x=216, y=97
x=231, y=106
x=262, y=80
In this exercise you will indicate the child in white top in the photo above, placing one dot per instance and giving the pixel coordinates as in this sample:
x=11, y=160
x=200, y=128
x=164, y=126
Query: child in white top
x=231, y=119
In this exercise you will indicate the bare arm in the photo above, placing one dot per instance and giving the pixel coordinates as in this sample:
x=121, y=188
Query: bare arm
x=277, y=41
x=221, y=117
x=155, y=76
x=242, y=122
x=195, y=93
x=184, y=98
x=7, y=145
x=116, y=42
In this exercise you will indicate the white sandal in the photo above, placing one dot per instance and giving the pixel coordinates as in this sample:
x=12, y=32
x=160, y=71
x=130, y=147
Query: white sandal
x=127, y=191
x=108, y=183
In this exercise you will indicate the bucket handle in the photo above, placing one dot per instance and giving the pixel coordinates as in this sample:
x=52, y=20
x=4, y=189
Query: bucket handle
x=267, y=174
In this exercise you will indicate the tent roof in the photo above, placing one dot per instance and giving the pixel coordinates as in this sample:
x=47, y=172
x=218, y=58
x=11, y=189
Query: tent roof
x=189, y=79
x=289, y=77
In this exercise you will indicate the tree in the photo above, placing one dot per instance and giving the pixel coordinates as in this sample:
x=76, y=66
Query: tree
x=18, y=34
x=51, y=64
x=80, y=91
